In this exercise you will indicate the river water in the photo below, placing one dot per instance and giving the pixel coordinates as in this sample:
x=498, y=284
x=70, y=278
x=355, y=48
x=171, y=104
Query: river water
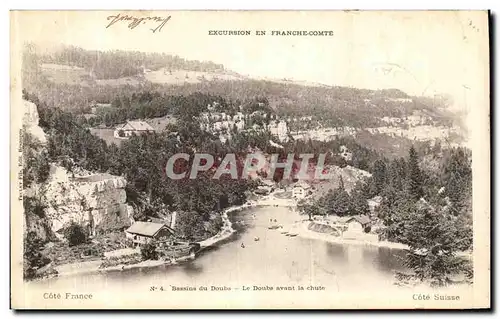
x=273, y=260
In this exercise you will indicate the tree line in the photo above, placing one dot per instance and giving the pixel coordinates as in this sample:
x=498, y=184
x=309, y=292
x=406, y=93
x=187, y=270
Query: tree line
x=117, y=63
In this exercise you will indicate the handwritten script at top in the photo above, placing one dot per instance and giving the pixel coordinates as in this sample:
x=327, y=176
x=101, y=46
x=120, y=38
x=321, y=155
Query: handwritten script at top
x=134, y=22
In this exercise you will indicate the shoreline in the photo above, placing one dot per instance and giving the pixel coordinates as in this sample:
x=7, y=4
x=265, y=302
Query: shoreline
x=304, y=232
x=226, y=231
x=227, y=227
x=300, y=228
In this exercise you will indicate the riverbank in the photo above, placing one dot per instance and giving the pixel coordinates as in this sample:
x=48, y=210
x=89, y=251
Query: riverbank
x=227, y=226
x=301, y=227
x=96, y=265
x=303, y=231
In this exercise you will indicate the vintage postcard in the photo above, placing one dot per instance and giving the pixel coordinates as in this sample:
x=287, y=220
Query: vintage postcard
x=250, y=160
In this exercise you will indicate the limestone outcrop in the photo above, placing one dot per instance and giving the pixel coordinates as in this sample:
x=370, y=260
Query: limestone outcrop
x=96, y=201
x=30, y=122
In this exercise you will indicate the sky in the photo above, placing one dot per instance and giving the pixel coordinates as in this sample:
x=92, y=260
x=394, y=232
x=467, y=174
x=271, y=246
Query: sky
x=421, y=53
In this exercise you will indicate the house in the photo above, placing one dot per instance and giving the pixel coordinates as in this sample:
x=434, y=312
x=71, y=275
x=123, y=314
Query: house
x=223, y=138
x=144, y=232
x=132, y=128
x=215, y=116
x=104, y=105
x=345, y=153
x=358, y=223
x=263, y=190
x=256, y=127
x=279, y=129
x=238, y=116
x=240, y=125
x=258, y=114
x=374, y=203
x=205, y=116
x=95, y=107
x=300, y=190
x=227, y=124
x=217, y=126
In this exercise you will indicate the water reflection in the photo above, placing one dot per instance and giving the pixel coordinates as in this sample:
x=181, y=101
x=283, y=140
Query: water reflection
x=192, y=268
x=335, y=251
x=387, y=259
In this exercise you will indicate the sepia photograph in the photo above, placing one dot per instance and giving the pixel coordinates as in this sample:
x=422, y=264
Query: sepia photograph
x=250, y=160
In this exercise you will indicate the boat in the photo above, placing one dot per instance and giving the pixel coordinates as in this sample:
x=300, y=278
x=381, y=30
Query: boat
x=256, y=239
x=292, y=234
x=273, y=227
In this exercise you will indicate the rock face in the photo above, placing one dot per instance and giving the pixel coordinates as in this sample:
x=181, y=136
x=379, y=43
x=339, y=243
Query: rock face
x=41, y=226
x=30, y=121
x=94, y=201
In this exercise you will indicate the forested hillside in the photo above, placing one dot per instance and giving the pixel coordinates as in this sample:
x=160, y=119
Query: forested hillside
x=115, y=64
x=75, y=89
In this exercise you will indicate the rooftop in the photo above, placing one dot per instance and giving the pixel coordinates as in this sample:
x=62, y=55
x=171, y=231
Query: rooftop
x=146, y=228
x=362, y=219
x=138, y=126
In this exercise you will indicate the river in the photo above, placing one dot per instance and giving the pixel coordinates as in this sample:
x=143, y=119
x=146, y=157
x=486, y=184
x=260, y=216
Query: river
x=273, y=260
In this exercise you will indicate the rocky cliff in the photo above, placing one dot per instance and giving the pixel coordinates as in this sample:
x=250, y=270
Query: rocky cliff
x=96, y=201
x=30, y=122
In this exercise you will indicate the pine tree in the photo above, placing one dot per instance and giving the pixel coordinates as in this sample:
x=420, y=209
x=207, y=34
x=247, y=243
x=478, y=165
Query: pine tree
x=394, y=175
x=432, y=240
x=415, y=181
x=341, y=200
x=379, y=176
x=457, y=178
x=394, y=211
x=359, y=202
